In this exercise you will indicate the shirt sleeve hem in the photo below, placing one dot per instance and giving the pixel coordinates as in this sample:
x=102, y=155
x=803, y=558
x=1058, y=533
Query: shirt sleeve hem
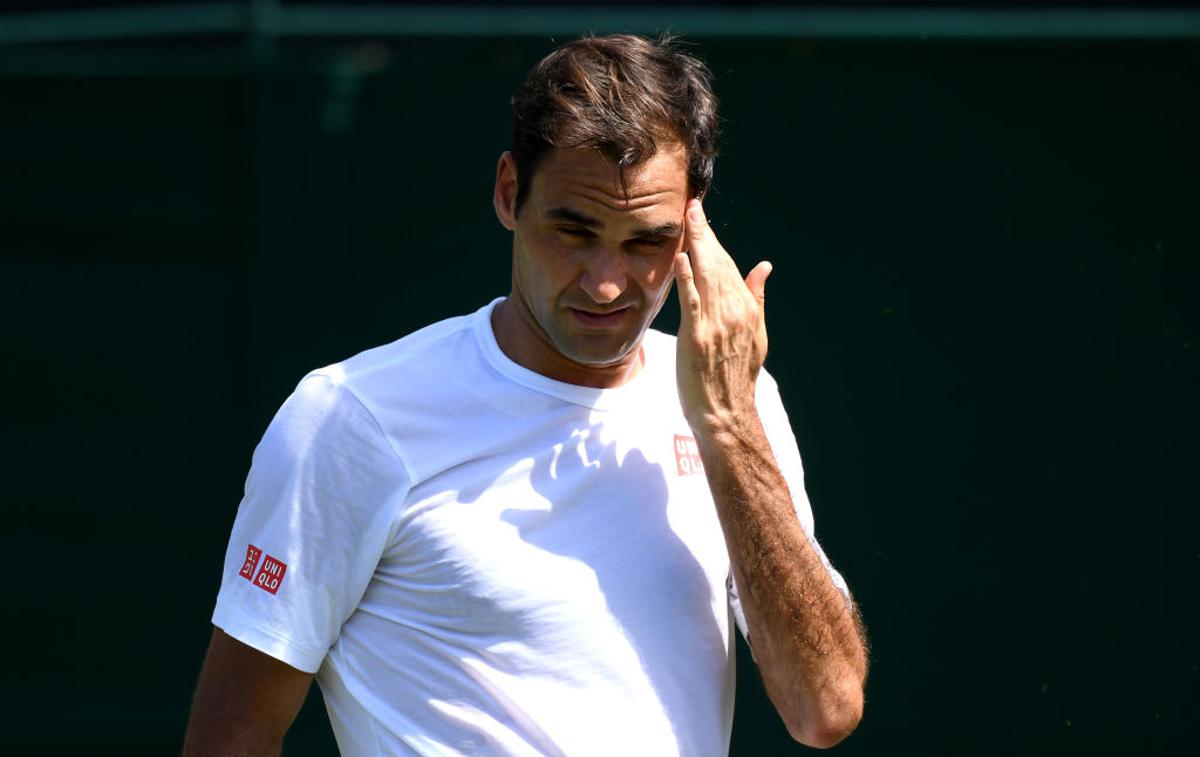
x=235, y=623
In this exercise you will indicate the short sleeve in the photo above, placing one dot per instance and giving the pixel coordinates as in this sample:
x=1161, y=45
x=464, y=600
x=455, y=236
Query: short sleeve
x=787, y=455
x=318, y=512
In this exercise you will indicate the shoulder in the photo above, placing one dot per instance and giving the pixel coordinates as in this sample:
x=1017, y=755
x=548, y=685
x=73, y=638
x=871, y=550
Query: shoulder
x=341, y=400
x=423, y=345
x=412, y=364
x=320, y=417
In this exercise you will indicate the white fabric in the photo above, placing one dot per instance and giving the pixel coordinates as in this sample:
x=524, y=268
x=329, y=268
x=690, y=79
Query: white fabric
x=480, y=559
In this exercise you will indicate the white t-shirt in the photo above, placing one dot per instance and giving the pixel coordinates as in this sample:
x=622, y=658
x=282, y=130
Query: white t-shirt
x=477, y=559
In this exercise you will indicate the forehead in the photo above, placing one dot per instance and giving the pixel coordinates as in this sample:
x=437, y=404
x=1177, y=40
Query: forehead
x=586, y=180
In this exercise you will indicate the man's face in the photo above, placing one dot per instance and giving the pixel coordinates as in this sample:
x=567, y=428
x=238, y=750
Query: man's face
x=592, y=264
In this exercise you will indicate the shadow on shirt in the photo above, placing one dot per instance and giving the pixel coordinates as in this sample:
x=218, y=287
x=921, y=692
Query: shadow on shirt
x=611, y=515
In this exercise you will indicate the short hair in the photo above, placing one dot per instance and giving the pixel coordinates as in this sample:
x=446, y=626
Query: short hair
x=623, y=95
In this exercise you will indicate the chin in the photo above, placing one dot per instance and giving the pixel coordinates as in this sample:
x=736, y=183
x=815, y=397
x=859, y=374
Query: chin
x=591, y=349
x=597, y=358
x=592, y=360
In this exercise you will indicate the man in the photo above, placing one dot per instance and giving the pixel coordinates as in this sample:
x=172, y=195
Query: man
x=525, y=531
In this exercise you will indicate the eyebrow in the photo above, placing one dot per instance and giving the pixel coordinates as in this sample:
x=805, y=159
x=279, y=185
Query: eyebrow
x=663, y=230
x=570, y=215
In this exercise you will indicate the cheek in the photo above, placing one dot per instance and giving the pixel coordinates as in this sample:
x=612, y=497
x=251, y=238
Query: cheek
x=655, y=271
x=545, y=266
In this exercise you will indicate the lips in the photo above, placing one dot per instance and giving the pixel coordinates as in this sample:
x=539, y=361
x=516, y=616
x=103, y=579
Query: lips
x=606, y=319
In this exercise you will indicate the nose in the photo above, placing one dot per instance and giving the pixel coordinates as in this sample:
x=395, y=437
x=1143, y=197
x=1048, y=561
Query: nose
x=604, y=276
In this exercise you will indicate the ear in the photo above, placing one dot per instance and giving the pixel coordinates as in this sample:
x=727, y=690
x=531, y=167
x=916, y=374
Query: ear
x=504, y=196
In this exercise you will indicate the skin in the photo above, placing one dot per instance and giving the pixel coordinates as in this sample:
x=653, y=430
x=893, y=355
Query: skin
x=245, y=701
x=808, y=641
x=592, y=266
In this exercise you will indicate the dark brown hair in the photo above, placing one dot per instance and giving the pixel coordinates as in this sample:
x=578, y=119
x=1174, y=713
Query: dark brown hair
x=623, y=95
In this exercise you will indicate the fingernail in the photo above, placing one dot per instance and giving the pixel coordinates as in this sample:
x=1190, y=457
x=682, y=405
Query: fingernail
x=696, y=213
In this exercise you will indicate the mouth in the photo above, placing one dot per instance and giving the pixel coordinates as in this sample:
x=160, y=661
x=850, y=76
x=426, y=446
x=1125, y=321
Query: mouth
x=601, y=320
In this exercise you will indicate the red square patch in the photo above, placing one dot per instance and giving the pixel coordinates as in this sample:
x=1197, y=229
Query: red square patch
x=252, y=555
x=687, y=456
x=270, y=575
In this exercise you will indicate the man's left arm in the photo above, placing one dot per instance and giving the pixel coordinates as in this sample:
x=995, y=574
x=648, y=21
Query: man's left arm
x=806, y=637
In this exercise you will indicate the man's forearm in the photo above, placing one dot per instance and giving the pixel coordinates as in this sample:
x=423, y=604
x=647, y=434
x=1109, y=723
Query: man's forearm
x=806, y=637
x=804, y=633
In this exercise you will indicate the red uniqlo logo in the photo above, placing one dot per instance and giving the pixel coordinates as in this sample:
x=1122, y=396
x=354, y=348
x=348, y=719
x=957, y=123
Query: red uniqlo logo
x=270, y=575
x=252, y=555
x=687, y=456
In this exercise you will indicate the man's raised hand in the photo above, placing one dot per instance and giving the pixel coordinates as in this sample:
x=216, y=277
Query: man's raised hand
x=722, y=328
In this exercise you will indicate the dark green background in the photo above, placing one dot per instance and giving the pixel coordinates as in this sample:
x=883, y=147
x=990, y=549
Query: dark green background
x=984, y=318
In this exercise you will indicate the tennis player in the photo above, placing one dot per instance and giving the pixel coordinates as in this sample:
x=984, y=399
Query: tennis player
x=532, y=529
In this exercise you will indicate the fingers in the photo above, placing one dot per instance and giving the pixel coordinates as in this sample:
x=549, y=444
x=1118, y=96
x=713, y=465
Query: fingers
x=689, y=296
x=702, y=244
x=756, y=280
x=705, y=269
x=696, y=224
x=704, y=252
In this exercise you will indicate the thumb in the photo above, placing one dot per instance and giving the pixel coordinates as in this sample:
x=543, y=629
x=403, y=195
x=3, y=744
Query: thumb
x=756, y=280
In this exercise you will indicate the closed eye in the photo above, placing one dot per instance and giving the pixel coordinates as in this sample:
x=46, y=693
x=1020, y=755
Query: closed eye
x=652, y=243
x=575, y=232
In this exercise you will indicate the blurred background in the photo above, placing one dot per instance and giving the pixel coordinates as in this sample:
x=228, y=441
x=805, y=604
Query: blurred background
x=985, y=222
